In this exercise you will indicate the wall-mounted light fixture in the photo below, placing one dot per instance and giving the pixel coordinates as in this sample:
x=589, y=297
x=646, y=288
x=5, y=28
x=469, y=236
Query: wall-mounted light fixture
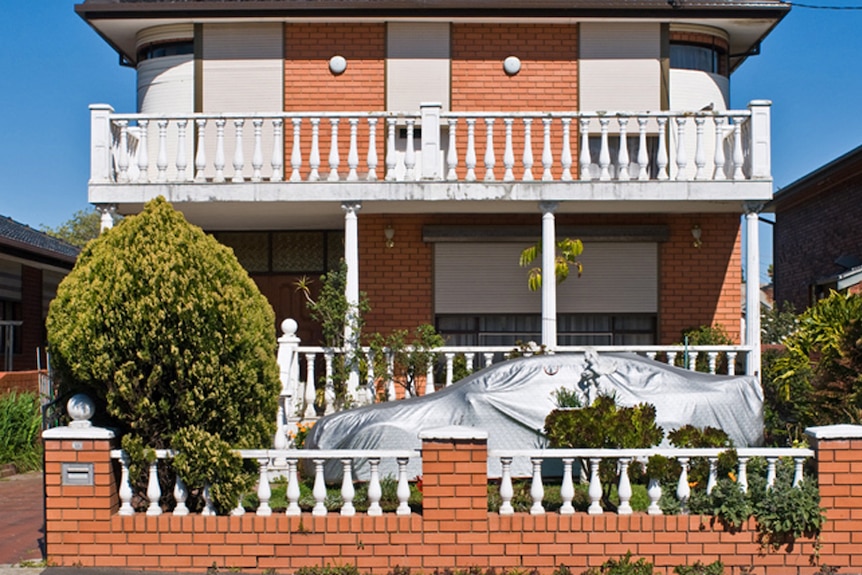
x=389, y=233
x=696, y=233
x=337, y=65
x=512, y=65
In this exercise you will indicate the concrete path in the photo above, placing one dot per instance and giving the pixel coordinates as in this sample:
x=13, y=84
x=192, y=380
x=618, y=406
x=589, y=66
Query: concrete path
x=22, y=522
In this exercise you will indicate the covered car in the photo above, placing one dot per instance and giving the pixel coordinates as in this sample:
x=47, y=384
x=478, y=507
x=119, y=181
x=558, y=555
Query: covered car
x=510, y=400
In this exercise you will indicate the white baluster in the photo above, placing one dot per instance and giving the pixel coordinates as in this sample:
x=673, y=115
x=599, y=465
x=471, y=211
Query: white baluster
x=334, y=157
x=329, y=382
x=375, y=492
x=654, y=494
x=770, y=472
x=468, y=360
x=719, y=149
x=123, y=159
x=209, y=507
x=391, y=161
x=643, y=155
x=370, y=384
x=547, y=156
x=605, y=152
x=277, y=160
x=353, y=153
x=162, y=158
x=683, y=489
x=314, y=155
x=239, y=510
x=257, y=154
x=586, y=159
x=181, y=495
x=470, y=158
x=296, y=151
x=623, y=156
x=489, y=358
x=490, y=159
x=410, y=152
x=651, y=355
x=595, y=490
x=219, y=155
x=450, y=367
x=713, y=360
x=738, y=157
x=403, y=489
x=154, y=492
x=125, y=487
x=567, y=489
x=661, y=157
x=566, y=154
x=797, y=470
x=537, y=490
x=390, y=374
x=293, y=508
x=429, y=377
x=347, y=490
x=143, y=151
x=692, y=360
x=506, y=489
x=452, y=153
x=263, y=490
x=182, y=162
x=238, y=155
x=201, y=152
x=508, y=152
x=319, y=490
x=731, y=363
x=742, y=480
x=712, y=480
x=624, y=490
x=310, y=392
x=372, y=150
x=699, y=151
x=671, y=357
x=681, y=158
x=528, y=150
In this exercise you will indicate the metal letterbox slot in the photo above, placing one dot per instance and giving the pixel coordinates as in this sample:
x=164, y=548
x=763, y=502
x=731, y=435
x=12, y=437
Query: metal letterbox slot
x=77, y=474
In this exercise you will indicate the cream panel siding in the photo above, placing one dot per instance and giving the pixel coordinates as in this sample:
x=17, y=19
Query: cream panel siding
x=484, y=278
x=619, y=67
x=243, y=71
x=168, y=33
x=417, y=65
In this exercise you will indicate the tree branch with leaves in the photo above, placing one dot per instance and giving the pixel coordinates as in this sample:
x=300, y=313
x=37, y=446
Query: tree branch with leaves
x=564, y=261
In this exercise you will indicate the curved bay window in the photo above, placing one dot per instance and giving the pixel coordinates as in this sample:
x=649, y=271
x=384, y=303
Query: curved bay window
x=711, y=58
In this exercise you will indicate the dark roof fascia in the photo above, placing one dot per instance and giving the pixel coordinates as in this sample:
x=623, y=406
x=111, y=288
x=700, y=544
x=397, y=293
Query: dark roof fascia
x=822, y=179
x=34, y=254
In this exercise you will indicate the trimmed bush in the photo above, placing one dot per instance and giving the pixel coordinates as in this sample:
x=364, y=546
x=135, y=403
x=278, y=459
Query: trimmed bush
x=160, y=325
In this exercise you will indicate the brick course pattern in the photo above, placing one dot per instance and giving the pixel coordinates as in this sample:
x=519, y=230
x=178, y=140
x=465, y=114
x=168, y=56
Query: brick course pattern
x=455, y=529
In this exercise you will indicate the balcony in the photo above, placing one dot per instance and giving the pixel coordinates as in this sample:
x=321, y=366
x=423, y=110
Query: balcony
x=601, y=161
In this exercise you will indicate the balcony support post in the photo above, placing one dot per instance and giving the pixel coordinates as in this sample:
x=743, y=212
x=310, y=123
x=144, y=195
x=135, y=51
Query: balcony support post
x=549, y=283
x=752, y=288
x=351, y=289
x=431, y=140
x=761, y=153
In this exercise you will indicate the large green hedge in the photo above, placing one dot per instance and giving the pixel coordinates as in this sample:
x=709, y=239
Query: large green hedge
x=161, y=326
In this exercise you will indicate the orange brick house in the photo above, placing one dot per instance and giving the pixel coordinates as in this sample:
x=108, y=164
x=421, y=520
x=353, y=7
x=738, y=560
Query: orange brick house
x=428, y=143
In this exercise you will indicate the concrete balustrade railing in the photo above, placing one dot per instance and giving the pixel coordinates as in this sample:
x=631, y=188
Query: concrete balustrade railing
x=453, y=146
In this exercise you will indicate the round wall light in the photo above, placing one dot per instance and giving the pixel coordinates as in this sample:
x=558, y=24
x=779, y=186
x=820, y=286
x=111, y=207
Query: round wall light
x=512, y=65
x=337, y=65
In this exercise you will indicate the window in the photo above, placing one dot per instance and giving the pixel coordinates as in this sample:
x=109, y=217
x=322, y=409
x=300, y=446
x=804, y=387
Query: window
x=703, y=57
x=285, y=252
x=163, y=49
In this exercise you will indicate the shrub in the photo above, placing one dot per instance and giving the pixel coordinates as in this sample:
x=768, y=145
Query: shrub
x=163, y=329
x=20, y=423
x=623, y=566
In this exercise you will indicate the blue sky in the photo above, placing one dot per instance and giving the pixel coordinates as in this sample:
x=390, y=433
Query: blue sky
x=53, y=66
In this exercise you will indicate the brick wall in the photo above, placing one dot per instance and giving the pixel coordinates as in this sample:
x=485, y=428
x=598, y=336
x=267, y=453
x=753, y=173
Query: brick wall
x=697, y=286
x=455, y=529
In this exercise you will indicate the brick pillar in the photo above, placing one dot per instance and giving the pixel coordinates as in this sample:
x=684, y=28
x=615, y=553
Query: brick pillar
x=839, y=475
x=81, y=492
x=455, y=476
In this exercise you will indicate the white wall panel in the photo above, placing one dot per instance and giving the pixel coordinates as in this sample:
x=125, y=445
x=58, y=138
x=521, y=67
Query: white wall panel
x=417, y=65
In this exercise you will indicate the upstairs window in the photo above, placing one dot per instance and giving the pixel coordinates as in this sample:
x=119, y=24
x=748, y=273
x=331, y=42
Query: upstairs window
x=164, y=49
x=703, y=57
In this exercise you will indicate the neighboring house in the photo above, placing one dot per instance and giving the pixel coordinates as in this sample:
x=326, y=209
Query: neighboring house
x=817, y=236
x=428, y=143
x=32, y=264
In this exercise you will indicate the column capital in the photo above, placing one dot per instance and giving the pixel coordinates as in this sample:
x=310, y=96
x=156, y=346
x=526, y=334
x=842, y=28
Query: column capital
x=753, y=207
x=351, y=207
x=549, y=206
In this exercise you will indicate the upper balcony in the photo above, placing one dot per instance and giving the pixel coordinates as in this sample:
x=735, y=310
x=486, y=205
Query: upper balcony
x=670, y=161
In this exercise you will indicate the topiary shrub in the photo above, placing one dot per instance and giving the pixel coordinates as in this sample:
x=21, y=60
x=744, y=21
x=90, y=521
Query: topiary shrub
x=160, y=325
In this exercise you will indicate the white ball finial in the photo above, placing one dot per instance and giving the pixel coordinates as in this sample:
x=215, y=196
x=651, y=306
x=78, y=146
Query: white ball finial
x=80, y=408
x=289, y=326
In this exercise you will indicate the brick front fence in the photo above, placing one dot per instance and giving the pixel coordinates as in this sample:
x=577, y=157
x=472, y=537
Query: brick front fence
x=454, y=529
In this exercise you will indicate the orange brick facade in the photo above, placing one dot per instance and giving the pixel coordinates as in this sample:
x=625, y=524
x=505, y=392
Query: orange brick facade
x=454, y=530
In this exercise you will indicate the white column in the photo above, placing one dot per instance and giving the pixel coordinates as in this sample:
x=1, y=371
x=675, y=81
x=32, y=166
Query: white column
x=106, y=219
x=431, y=140
x=752, y=289
x=761, y=154
x=351, y=289
x=100, y=143
x=549, y=279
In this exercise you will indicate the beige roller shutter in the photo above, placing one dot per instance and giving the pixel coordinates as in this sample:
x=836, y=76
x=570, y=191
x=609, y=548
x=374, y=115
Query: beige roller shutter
x=417, y=65
x=484, y=278
x=10, y=280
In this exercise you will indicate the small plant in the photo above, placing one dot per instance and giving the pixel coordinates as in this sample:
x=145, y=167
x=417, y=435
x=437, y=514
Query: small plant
x=728, y=503
x=405, y=362
x=714, y=568
x=20, y=424
x=623, y=566
x=567, y=398
x=302, y=431
x=786, y=512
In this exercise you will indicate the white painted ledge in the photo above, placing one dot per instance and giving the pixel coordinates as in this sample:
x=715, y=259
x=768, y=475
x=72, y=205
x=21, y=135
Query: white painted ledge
x=454, y=432
x=842, y=431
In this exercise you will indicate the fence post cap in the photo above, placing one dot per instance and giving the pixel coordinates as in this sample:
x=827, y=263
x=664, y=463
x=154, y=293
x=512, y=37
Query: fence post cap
x=842, y=431
x=454, y=432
